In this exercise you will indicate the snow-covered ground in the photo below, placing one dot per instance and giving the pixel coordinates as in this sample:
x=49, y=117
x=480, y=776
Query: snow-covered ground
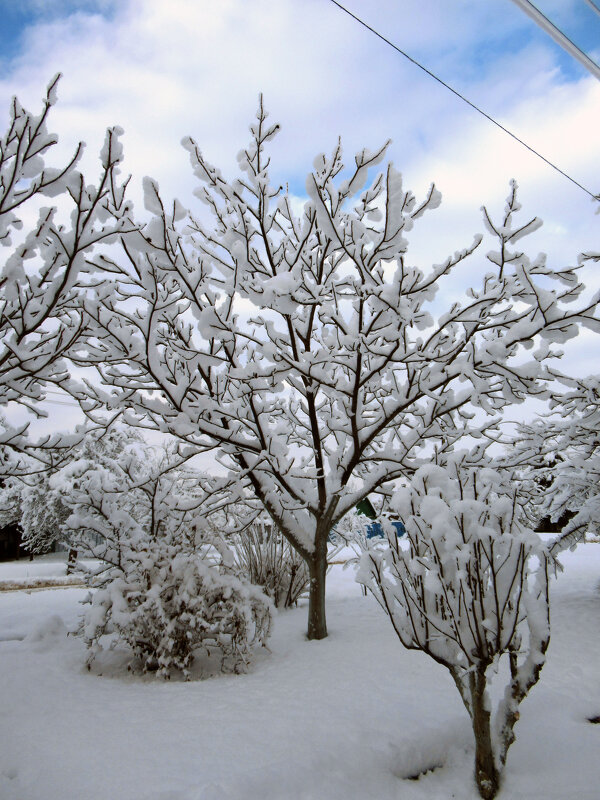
x=348, y=718
x=43, y=570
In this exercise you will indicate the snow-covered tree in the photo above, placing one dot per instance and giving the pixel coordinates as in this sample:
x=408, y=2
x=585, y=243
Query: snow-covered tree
x=28, y=501
x=10, y=502
x=43, y=515
x=559, y=456
x=167, y=585
x=40, y=501
x=43, y=249
x=468, y=585
x=301, y=343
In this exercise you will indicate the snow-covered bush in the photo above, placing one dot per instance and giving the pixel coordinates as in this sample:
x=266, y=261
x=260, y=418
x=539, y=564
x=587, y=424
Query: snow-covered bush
x=269, y=561
x=166, y=584
x=165, y=604
x=468, y=585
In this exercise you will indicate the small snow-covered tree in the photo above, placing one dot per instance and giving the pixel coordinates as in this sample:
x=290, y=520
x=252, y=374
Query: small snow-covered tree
x=468, y=585
x=42, y=252
x=303, y=344
x=167, y=585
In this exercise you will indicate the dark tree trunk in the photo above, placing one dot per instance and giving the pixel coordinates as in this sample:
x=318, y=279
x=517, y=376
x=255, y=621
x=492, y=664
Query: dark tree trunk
x=71, y=560
x=317, y=567
x=487, y=776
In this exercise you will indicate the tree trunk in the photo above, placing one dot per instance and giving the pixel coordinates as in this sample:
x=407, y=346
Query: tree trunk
x=487, y=776
x=71, y=560
x=317, y=567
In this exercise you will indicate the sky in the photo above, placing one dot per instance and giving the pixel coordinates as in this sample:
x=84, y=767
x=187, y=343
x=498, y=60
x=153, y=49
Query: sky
x=164, y=70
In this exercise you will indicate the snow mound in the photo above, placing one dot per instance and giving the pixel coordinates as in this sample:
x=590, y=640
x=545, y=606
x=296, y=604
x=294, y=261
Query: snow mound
x=48, y=632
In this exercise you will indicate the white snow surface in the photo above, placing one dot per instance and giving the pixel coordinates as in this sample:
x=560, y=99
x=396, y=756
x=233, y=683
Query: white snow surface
x=347, y=718
x=52, y=565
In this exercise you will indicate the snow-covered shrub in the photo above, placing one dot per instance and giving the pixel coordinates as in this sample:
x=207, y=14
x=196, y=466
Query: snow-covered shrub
x=269, y=561
x=166, y=585
x=165, y=604
x=467, y=585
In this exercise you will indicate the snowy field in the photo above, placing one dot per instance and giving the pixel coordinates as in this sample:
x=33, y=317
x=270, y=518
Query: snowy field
x=353, y=717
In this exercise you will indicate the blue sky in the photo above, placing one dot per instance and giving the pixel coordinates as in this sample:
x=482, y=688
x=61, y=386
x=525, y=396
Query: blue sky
x=578, y=21
x=18, y=15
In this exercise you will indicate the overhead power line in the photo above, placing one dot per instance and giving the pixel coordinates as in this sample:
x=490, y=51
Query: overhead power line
x=60, y=403
x=464, y=99
x=64, y=401
x=558, y=36
x=592, y=5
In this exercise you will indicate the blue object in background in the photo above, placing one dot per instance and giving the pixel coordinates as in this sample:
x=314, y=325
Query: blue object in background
x=375, y=529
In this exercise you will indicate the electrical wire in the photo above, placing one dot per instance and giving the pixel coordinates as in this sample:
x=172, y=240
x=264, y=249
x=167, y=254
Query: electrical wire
x=59, y=403
x=465, y=100
x=559, y=37
x=592, y=5
x=62, y=402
